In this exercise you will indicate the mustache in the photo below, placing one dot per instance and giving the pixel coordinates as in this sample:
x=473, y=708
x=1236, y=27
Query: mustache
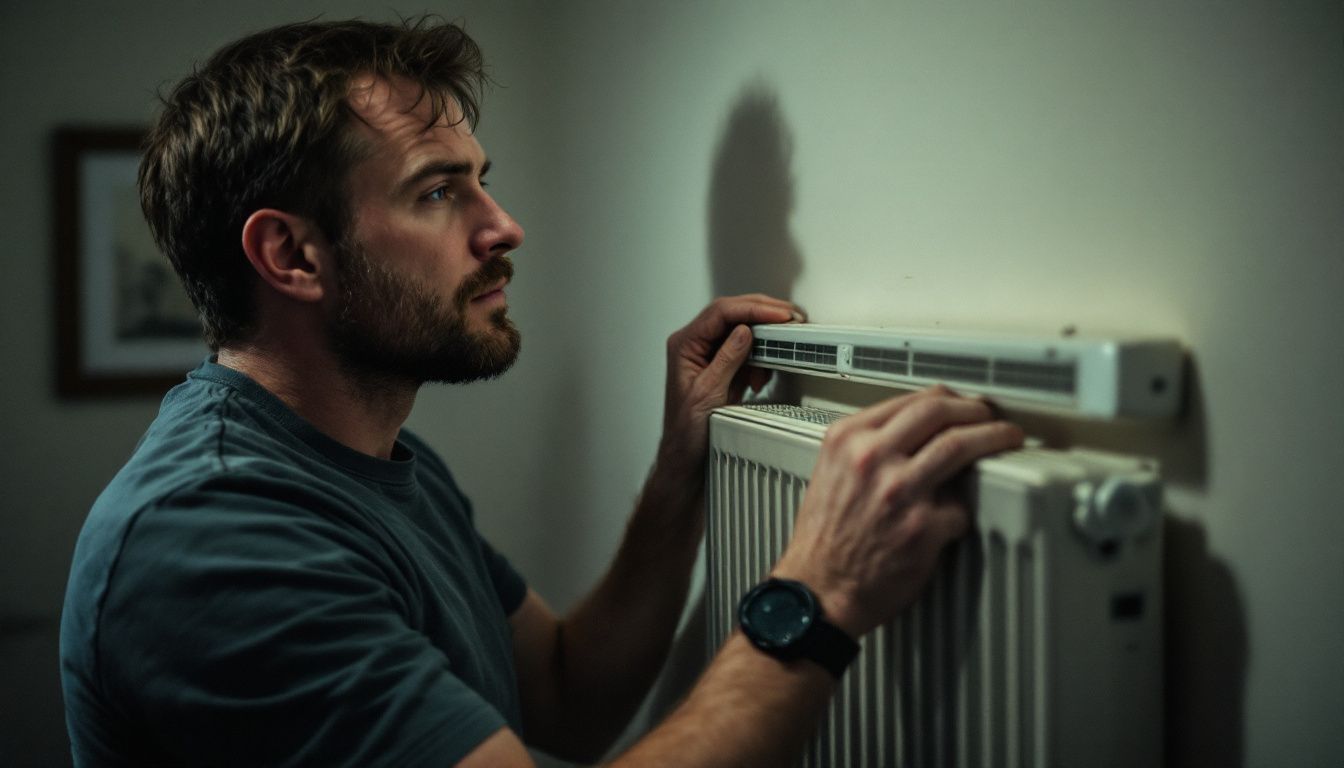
x=491, y=272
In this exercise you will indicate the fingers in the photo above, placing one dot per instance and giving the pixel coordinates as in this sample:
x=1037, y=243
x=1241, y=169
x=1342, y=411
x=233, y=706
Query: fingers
x=921, y=418
x=949, y=519
x=940, y=518
x=875, y=416
x=751, y=309
x=732, y=353
x=925, y=437
x=956, y=448
x=731, y=304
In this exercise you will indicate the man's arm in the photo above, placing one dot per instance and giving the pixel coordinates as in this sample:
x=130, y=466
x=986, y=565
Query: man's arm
x=581, y=678
x=747, y=710
x=867, y=536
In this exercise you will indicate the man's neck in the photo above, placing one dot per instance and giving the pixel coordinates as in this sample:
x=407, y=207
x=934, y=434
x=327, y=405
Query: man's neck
x=357, y=413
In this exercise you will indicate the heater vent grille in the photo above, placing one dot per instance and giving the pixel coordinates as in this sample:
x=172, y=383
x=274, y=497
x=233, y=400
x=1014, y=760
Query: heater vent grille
x=1115, y=377
x=895, y=361
x=1060, y=378
x=1051, y=377
x=795, y=353
x=952, y=367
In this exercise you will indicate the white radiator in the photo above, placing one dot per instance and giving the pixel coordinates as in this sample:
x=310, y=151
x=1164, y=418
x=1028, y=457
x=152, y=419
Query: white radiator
x=1039, y=640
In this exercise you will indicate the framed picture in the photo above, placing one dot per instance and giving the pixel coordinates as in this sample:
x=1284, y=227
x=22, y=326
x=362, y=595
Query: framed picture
x=124, y=323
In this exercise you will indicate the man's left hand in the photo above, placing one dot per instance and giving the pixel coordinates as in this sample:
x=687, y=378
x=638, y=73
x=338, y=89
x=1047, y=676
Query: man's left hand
x=704, y=371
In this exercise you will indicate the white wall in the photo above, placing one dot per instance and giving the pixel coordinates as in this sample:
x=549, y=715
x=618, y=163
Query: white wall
x=1161, y=167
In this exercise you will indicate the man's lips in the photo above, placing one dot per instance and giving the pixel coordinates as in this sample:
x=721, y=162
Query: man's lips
x=496, y=291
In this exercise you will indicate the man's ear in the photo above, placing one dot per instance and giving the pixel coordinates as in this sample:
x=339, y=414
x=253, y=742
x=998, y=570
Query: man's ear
x=289, y=252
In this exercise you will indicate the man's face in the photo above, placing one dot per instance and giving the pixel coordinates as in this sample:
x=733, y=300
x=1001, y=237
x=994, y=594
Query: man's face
x=422, y=268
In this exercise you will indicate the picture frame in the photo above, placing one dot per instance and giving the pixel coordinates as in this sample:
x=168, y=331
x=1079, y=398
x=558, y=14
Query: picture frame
x=124, y=323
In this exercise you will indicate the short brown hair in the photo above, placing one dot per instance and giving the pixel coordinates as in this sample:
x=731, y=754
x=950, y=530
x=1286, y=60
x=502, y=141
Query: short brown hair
x=265, y=124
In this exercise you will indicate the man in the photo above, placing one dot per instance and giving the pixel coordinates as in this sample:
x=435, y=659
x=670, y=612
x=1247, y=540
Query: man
x=282, y=575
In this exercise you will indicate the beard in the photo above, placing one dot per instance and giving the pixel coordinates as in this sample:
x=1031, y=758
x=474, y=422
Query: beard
x=388, y=328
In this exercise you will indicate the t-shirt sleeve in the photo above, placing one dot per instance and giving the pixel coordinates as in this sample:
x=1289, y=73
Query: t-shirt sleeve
x=252, y=635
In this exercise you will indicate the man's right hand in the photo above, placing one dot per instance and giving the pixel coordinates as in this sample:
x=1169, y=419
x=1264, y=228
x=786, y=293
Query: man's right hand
x=871, y=526
x=877, y=512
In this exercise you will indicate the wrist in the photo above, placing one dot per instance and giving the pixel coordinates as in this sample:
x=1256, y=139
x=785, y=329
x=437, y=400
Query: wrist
x=783, y=618
x=836, y=603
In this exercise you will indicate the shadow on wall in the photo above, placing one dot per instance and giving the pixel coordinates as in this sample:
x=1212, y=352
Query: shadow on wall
x=751, y=250
x=1207, y=653
x=750, y=200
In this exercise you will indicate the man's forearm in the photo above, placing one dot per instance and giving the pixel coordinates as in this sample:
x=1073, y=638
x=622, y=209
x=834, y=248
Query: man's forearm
x=583, y=677
x=610, y=648
x=748, y=709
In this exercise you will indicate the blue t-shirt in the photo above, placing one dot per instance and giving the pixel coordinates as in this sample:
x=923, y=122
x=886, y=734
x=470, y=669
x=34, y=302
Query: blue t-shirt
x=248, y=591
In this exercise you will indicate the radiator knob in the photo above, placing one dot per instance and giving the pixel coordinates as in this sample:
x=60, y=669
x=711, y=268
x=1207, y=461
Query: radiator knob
x=1120, y=508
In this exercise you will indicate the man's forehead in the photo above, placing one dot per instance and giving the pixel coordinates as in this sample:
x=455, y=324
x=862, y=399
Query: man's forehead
x=400, y=148
x=394, y=121
x=397, y=103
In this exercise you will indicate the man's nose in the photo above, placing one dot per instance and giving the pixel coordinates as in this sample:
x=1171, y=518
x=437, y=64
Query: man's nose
x=498, y=233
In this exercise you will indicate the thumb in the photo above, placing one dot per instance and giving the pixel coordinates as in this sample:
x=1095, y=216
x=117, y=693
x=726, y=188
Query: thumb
x=732, y=353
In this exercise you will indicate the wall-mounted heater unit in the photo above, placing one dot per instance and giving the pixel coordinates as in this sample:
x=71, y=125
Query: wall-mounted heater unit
x=1102, y=378
x=1039, y=641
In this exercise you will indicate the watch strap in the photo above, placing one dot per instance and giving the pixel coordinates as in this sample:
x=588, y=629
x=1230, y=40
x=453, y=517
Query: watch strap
x=821, y=642
x=829, y=646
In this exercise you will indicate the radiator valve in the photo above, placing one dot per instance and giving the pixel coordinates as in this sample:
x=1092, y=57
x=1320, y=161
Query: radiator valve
x=1117, y=509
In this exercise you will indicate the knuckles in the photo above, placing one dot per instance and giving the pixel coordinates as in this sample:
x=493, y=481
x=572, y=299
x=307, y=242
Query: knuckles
x=931, y=408
x=863, y=457
x=915, y=529
x=857, y=451
x=938, y=390
x=949, y=447
x=674, y=341
x=895, y=491
x=719, y=305
x=841, y=431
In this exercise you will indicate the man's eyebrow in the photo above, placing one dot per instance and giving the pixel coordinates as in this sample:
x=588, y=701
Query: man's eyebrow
x=439, y=168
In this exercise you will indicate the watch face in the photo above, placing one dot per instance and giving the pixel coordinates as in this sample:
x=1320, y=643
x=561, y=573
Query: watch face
x=777, y=615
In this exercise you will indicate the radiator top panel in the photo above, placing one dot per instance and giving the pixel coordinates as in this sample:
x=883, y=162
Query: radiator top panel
x=819, y=416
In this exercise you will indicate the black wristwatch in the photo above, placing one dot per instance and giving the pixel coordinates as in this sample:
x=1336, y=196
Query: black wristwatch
x=782, y=618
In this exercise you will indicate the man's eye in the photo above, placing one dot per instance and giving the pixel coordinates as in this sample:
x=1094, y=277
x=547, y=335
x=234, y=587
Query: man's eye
x=439, y=194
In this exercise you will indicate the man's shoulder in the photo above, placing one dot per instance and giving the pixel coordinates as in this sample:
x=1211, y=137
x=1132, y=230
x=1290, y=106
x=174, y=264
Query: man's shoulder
x=205, y=480
x=210, y=457
x=204, y=436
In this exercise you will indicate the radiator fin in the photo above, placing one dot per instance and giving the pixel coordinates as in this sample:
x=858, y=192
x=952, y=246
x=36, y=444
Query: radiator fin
x=1008, y=660
x=923, y=686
